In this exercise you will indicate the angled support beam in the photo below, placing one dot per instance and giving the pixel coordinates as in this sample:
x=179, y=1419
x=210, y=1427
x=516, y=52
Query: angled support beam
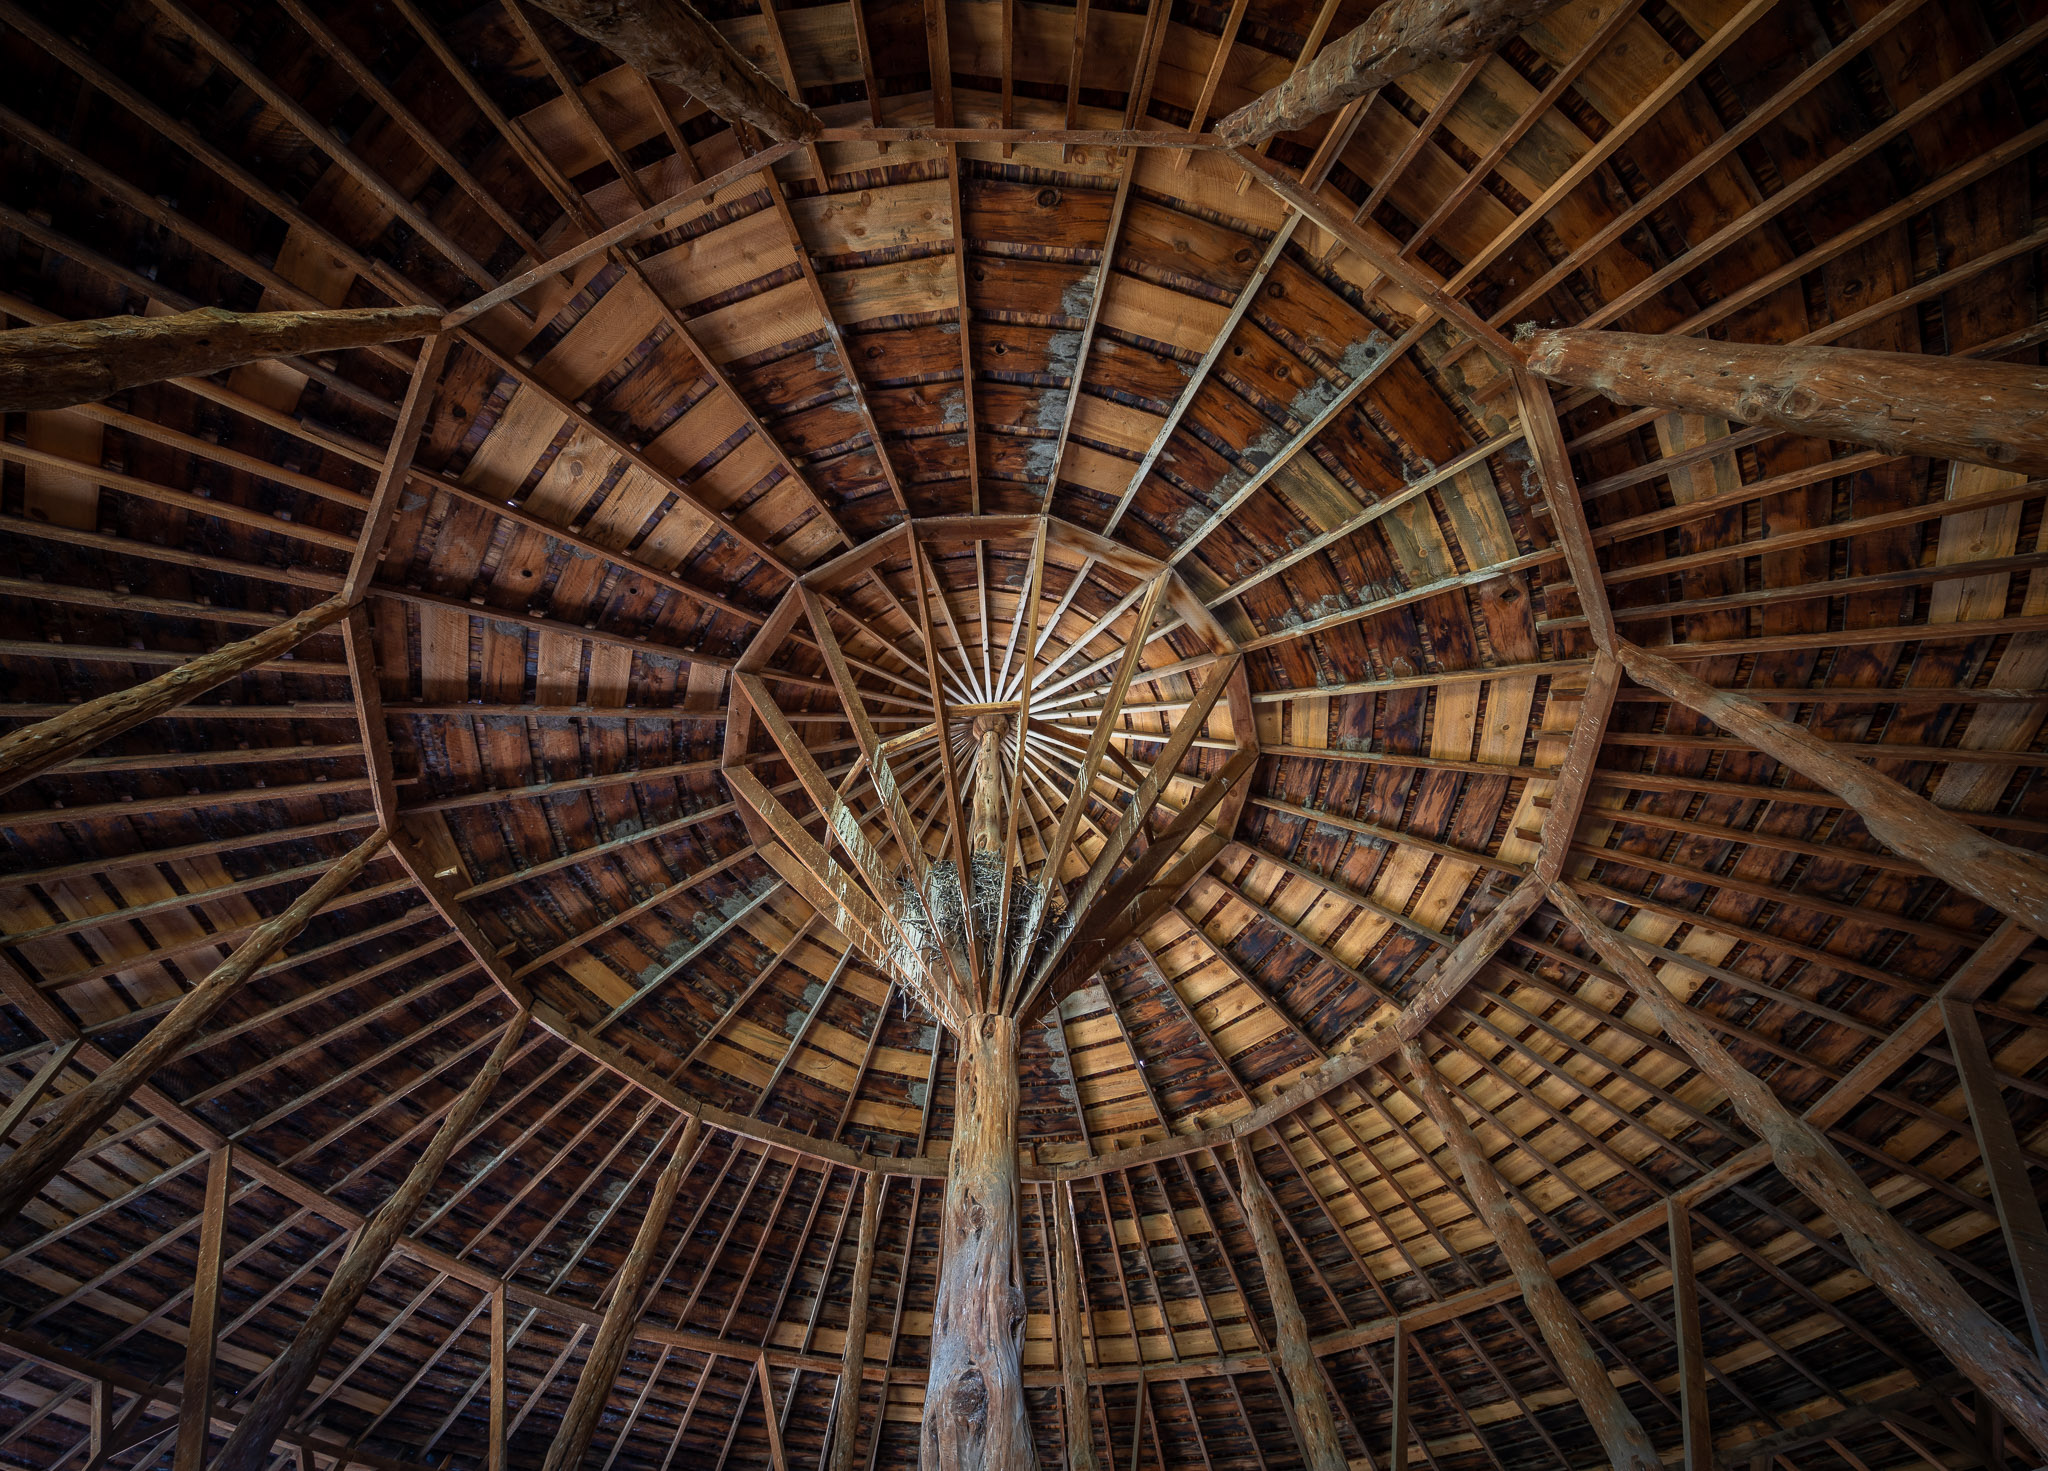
x=2007, y=878
x=670, y=42
x=853, y=1357
x=1626, y=1442
x=67, y=363
x=615, y=1334
x=2005, y=1165
x=1396, y=40
x=24, y=1173
x=1314, y=1422
x=1897, y=1260
x=1947, y=408
x=34, y=749
x=250, y=1447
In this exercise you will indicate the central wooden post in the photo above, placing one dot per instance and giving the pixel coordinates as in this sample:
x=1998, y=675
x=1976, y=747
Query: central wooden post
x=987, y=828
x=974, y=1400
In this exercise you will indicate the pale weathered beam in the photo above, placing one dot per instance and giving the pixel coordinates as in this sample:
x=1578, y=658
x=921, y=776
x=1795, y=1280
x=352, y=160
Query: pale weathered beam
x=670, y=42
x=1396, y=40
x=853, y=1357
x=249, y=1448
x=197, y=1391
x=66, y=363
x=24, y=1173
x=615, y=1334
x=33, y=749
x=1897, y=1260
x=1627, y=1444
x=1314, y=1422
x=1071, y=1311
x=1948, y=408
x=1692, y=1359
x=2007, y=878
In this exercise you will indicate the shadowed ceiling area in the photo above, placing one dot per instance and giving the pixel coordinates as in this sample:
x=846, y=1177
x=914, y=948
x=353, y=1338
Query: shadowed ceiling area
x=1516, y=889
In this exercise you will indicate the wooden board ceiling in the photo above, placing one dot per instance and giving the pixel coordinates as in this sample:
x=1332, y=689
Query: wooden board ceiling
x=620, y=475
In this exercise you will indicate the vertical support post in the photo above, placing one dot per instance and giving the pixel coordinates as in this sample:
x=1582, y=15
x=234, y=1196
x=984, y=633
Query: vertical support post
x=195, y=1411
x=495, y=1453
x=1320, y=1447
x=249, y=1448
x=1397, y=1444
x=1080, y=1431
x=975, y=1418
x=615, y=1334
x=2005, y=1166
x=853, y=1356
x=776, y=1460
x=1621, y=1434
x=1897, y=1261
x=1692, y=1358
x=59, y=1141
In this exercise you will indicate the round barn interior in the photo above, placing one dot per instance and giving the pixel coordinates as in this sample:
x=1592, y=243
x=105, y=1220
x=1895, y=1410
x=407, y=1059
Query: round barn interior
x=1289, y=734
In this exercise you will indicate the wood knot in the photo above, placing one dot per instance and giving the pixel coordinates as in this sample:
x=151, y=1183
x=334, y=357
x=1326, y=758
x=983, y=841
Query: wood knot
x=970, y=1399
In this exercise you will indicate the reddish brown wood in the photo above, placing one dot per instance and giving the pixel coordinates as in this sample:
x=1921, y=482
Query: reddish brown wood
x=846, y=1409
x=974, y=1417
x=1314, y=1422
x=36, y=748
x=1397, y=39
x=670, y=42
x=615, y=1334
x=72, y=1127
x=1948, y=408
x=1692, y=1357
x=1898, y=1261
x=1628, y=1445
x=250, y=1447
x=2002, y=876
x=70, y=363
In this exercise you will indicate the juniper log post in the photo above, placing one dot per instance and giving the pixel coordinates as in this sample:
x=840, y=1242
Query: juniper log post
x=853, y=1355
x=974, y=1397
x=1947, y=408
x=1080, y=1427
x=70, y=363
x=1902, y=1265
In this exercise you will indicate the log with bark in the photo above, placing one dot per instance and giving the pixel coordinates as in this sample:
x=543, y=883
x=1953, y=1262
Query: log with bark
x=974, y=1418
x=36, y=748
x=1908, y=403
x=251, y=1446
x=70, y=363
x=853, y=1354
x=1400, y=37
x=670, y=42
x=1902, y=1265
x=66, y=1133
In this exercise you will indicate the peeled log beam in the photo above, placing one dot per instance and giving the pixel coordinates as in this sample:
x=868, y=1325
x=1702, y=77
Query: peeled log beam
x=70, y=363
x=71, y=1128
x=1320, y=1448
x=1899, y=1262
x=1946, y=408
x=670, y=42
x=1080, y=1425
x=615, y=1334
x=2010, y=879
x=846, y=1409
x=1399, y=38
x=974, y=1418
x=1621, y=1434
x=250, y=1447
x=34, y=749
